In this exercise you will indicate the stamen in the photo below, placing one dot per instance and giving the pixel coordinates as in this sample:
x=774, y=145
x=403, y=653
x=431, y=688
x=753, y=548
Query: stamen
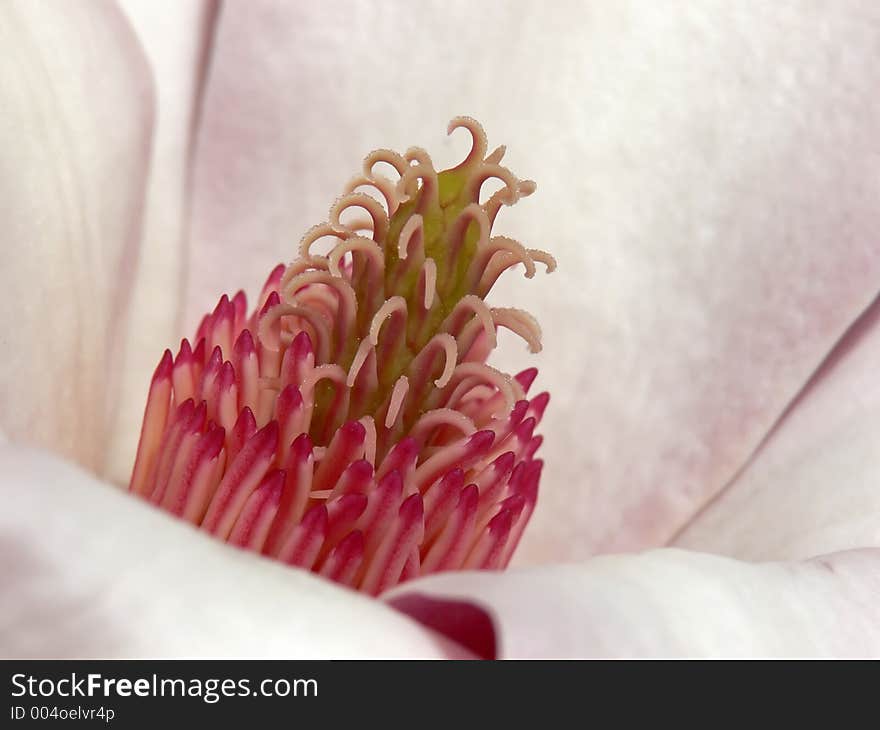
x=478, y=139
x=516, y=253
x=495, y=157
x=362, y=245
x=360, y=358
x=430, y=271
x=442, y=417
x=304, y=543
x=184, y=376
x=269, y=332
x=389, y=157
x=347, y=446
x=521, y=323
x=343, y=563
x=299, y=470
x=450, y=548
x=472, y=213
x=489, y=375
x=385, y=187
x=450, y=350
x=406, y=533
x=369, y=204
x=478, y=307
x=412, y=228
x=486, y=554
x=428, y=197
x=156, y=415
x=397, y=396
x=252, y=526
x=416, y=156
x=241, y=479
x=440, y=501
x=369, y=425
x=394, y=305
x=488, y=171
x=545, y=258
x=315, y=233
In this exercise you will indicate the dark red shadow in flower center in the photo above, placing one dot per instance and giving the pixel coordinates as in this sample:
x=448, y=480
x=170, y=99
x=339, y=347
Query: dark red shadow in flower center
x=463, y=622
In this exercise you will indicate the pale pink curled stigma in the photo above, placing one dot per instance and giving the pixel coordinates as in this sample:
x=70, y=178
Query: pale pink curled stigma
x=349, y=424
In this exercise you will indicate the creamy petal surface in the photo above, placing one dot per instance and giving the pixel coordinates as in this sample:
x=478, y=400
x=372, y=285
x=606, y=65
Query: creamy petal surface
x=176, y=38
x=812, y=487
x=663, y=603
x=74, y=147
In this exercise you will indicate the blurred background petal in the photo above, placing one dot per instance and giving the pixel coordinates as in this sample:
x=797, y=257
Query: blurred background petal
x=707, y=179
x=90, y=572
x=75, y=135
x=177, y=40
x=812, y=488
x=663, y=603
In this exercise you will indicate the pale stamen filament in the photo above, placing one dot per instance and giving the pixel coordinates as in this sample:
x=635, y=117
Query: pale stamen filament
x=503, y=260
x=418, y=156
x=502, y=197
x=389, y=157
x=314, y=318
x=430, y=271
x=300, y=266
x=360, y=225
x=413, y=227
x=521, y=323
x=497, y=155
x=385, y=187
x=543, y=257
x=450, y=350
x=345, y=294
x=498, y=244
x=430, y=189
x=316, y=295
x=360, y=357
x=314, y=234
x=396, y=304
x=331, y=372
x=363, y=245
x=486, y=374
x=471, y=213
x=368, y=203
x=370, y=439
x=487, y=171
x=479, y=308
x=396, y=401
x=478, y=139
x=442, y=417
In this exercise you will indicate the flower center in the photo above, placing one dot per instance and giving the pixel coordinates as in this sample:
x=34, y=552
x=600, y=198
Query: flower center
x=350, y=425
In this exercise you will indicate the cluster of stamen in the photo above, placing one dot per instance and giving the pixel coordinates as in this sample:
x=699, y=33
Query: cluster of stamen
x=350, y=424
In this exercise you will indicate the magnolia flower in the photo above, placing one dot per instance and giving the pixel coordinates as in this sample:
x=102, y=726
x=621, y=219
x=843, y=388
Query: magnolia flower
x=708, y=185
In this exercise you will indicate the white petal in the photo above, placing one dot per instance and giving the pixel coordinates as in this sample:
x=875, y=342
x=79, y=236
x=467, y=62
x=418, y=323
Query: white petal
x=90, y=572
x=664, y=603
x=707, y=179
x=176, y=38
x=812, y=487
x=74, y=144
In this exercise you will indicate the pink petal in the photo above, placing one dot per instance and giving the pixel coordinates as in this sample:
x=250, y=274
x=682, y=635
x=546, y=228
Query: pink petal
x=812, y=487
x=74, y=149
x=664, y=603
x=176, y=39
x=707, y=180
x=87, y=571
